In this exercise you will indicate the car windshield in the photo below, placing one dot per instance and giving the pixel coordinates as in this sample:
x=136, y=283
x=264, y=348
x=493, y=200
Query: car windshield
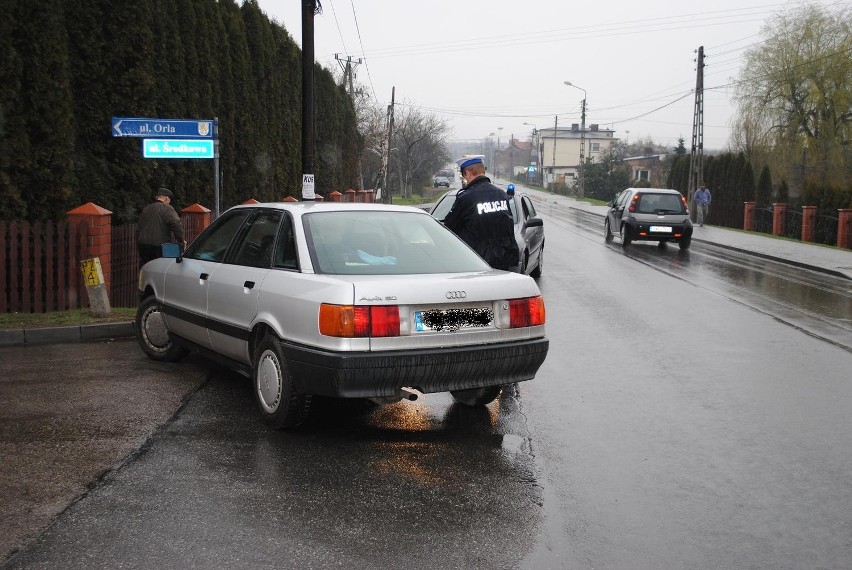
x=360, y=242
x=660, y=204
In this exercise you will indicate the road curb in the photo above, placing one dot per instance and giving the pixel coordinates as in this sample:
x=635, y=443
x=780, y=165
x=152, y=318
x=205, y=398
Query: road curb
x=74, y=333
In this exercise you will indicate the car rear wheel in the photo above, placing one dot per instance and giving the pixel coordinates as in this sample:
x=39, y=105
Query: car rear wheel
x=477, y=396
x=607, y=231
x=625, y=236
x=685, y=242
x=275, y=393
x=662, y=244
x=152, y=335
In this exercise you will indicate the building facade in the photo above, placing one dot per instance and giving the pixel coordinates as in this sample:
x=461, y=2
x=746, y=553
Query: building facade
x=560, y=150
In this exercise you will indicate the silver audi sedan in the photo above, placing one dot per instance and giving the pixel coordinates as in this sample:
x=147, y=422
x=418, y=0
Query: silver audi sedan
x=344, y=300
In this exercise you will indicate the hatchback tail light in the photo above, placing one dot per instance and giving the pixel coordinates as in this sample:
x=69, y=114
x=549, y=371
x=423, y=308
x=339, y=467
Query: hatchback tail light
x=527, y=312
x=358, y=320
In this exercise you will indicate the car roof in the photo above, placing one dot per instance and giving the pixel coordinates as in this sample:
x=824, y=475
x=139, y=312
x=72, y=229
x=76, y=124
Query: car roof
x=653, y=190
x=299, y=209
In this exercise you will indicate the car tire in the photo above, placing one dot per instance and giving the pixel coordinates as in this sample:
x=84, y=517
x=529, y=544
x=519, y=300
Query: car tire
x=477, y=396
x=152, y=335
x=662, y=244
x=274, y=391
x=684, y=243
x=625, y=236
x=536, y=273
x=607, y=231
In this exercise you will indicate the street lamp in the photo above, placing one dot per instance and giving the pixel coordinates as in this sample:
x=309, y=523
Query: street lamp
x=497, y=154
x=491, y=143
x=537, y=150
x=581, y=192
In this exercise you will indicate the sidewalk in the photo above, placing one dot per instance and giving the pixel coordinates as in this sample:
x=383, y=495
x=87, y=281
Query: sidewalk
x=825, y=259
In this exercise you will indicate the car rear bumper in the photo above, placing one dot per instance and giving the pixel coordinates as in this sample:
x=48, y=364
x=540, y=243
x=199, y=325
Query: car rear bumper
x=638, y=231
x=375, y=374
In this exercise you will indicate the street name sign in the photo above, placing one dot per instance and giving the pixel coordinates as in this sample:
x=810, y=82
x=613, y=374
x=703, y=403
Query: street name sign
x=162, y=128
x=177, y=148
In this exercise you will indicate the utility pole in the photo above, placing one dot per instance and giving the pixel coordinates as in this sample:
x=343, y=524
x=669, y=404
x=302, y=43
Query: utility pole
x=346, y=65
x=582, y=191
x=348, y=77
x=553, y=166
x=386, y=197
x=309, y=9
x=696, y=158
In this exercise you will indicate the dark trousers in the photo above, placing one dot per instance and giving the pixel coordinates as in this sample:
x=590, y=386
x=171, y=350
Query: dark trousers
x=148, y=252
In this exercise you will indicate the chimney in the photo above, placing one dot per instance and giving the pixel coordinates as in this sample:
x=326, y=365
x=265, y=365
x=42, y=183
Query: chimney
x=594, y=128
x=575, y=126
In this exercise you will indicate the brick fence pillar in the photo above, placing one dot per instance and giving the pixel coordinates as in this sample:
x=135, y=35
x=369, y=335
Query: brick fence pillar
x=289, y=199
x=844, y=228
x=361, y=196
x=779, y=211
x=808, y=221
x=349, y=195
x=98, y=235
x=194, y=218
x=748, y=216
x=335, y=196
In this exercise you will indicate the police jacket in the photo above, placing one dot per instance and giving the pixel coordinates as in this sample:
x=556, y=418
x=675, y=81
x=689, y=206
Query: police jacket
x=481, y=217
x=157, y=223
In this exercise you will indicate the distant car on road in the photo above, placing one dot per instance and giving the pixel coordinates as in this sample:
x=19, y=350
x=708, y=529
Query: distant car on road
x=441, y=181
x=649, y=214
x=529, y=229
x=344, y=300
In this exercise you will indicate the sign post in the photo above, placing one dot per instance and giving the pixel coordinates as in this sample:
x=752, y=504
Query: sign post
x=175, y=138
x=93, y=276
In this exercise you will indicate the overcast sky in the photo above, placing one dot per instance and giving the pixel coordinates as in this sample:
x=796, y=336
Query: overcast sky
x=486, y=64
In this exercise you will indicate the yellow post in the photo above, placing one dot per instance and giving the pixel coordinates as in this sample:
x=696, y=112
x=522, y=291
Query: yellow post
x=93, y=276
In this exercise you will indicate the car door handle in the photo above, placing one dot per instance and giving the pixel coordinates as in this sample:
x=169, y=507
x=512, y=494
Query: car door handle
x=204, y=276
x=249, y=284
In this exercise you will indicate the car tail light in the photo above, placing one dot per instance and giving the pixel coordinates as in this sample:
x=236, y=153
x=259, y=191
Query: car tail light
x=527, y=312
x=633, y=201
x=358, y=320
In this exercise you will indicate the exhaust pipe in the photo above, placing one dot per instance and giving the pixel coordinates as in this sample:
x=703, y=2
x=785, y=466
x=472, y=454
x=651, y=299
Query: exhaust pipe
x=408, y=394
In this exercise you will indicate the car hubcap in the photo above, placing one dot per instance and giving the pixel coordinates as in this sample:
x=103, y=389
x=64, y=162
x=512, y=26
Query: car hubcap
x=155, y=329
x=269, y=381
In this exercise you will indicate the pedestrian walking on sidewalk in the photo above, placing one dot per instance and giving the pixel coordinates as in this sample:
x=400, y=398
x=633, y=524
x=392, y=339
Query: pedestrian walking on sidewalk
x=158, y=223
x=702, y=203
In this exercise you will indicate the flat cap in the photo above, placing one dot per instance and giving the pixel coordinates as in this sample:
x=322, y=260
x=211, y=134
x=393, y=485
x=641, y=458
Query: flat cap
x=165, y=192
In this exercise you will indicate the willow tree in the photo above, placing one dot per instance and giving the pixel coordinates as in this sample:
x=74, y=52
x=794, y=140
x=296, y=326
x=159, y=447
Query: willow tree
x=795, y=105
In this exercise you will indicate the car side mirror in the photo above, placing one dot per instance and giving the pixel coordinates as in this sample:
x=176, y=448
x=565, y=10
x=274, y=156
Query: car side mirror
x=172, y=251
x=609, y=204
x=534, y=223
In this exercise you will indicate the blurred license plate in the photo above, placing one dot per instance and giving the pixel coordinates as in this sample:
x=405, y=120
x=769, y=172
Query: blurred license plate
x=664, y=229
x=451, y=320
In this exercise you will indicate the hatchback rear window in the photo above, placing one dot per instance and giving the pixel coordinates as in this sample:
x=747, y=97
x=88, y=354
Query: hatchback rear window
x=660, y=204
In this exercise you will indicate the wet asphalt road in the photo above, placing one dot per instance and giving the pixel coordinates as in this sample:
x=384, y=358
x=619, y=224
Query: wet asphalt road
x=683, y=419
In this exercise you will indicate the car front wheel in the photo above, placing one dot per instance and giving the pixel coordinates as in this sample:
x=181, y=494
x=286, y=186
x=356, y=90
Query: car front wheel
x=279, y=402
x=477, y=396
x=152, y=335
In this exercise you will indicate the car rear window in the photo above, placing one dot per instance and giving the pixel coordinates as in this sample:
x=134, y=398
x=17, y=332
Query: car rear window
x=360, y=242
x=660, y=204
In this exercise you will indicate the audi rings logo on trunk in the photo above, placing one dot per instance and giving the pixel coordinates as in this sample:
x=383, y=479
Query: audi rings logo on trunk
x=456, y=294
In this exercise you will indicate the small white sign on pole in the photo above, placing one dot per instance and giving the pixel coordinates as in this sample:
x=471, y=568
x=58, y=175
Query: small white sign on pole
x=308, y=187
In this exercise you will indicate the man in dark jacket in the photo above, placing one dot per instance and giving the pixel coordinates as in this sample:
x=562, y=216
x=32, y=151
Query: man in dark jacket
x=157, y=224
x=481, y=217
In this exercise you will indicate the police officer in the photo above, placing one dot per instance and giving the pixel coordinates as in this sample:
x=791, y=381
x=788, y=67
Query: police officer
x=481, y=217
